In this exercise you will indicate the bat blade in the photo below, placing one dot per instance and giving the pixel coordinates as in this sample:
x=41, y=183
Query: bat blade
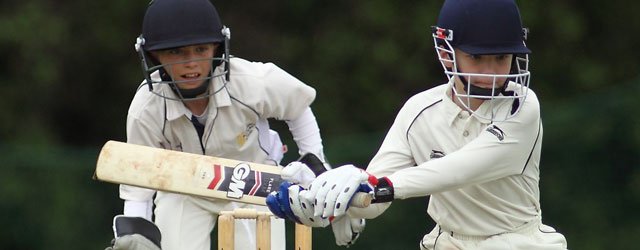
x=192, y=174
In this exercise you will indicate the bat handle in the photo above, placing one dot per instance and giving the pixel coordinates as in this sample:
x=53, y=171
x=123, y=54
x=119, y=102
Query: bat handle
x=361, y=200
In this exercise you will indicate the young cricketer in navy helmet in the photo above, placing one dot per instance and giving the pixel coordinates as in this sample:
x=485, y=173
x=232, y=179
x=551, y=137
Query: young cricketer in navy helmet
x=472, y=144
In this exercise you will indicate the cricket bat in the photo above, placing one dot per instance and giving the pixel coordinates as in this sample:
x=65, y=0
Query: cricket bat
x=192, y=174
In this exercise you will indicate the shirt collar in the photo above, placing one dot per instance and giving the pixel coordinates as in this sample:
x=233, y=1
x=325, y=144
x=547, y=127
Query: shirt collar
x=452, y=110
x=485, y=110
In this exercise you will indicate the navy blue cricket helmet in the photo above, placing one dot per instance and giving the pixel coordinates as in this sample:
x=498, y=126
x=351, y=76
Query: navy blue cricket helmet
x=484, y=27
x=176, y=23
x=171, y=24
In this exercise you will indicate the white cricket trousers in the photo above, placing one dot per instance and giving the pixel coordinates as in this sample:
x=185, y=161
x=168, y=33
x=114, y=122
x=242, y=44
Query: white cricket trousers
x=186, y=222
x=533, y=236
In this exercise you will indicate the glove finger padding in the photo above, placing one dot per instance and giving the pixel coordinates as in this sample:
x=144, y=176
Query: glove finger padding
x=303, y=210
x=347, y=230
x=334, y=189
x=286, y=204
x=351, y=186
x=278, y=202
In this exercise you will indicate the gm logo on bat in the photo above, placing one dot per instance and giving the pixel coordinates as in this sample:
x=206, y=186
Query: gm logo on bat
x=237, y=184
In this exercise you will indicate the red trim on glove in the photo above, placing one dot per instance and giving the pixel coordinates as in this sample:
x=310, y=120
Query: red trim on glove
x=372, y=180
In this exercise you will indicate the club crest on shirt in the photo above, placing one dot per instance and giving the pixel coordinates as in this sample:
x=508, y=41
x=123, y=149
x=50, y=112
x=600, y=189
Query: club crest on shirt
x=241, y=138
x=435, y=154
x=496, y=131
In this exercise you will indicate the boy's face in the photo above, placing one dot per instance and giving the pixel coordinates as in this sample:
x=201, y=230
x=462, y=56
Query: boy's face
x=189, y=65
x=484, y=64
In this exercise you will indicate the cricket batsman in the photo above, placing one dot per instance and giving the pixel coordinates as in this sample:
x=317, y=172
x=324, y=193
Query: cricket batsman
x=473, y=144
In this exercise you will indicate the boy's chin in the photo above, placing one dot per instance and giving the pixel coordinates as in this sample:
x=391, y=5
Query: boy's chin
x=191, y=84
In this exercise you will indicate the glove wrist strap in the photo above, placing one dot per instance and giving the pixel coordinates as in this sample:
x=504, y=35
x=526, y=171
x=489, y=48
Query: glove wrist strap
x=383, y=191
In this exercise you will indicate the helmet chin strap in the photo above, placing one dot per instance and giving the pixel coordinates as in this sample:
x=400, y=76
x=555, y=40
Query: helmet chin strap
x=186, y=93
x=475, y=90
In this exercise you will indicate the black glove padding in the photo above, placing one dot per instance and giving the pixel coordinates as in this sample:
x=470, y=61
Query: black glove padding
x=314, y=163
x=134, y=233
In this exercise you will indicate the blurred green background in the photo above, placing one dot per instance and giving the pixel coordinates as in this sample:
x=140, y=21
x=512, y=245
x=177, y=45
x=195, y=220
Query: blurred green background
x=68, y=72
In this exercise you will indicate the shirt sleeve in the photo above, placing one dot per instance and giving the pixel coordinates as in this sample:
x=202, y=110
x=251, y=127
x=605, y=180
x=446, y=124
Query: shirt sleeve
x=487, y=157
x=306, y=134
x=286, y=97
x=394, y=155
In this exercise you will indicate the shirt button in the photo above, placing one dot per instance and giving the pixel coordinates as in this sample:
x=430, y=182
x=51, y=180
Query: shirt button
x=465, y=133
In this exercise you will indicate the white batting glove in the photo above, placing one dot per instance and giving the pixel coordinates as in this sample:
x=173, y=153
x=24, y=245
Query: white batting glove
x=298, y=173
x=331, y=191
x=347, y=230
x=303, y=210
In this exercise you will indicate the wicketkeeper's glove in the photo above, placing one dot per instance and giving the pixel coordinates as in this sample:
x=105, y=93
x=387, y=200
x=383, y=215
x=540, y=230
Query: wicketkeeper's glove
x=134, y=233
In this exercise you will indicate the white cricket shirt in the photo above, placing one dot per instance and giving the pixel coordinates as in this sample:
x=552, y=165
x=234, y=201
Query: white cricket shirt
x=482, y=177
x=256, y=91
